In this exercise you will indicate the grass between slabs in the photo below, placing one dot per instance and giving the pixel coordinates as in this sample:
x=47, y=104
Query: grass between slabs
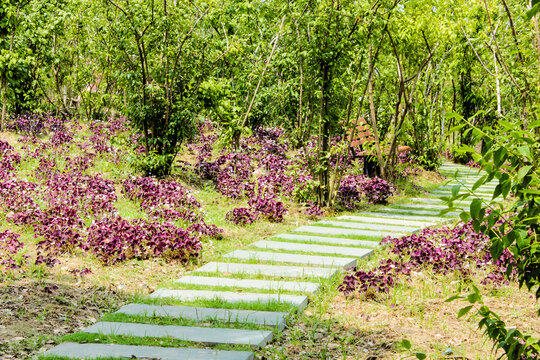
x=255, y=260
x=351, y=237
x=161, y=320
x=182, y=286
x=97, y=338
x=222, y=304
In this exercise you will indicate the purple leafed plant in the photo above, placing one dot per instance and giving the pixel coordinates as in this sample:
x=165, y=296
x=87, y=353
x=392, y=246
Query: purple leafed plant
x=241, y=216
x=10, y=246
x=114, y=240
x=440, y=251
x=267, y=205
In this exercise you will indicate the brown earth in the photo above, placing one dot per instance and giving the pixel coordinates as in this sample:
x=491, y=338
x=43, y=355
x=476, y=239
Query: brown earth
x=32, y=313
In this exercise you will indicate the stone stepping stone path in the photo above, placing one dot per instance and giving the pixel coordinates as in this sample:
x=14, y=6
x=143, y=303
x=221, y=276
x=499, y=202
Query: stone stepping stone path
x=308, y=239
x=205, y=335
x=92, y=351
x=201, y=314
x=274, y=285
x=324, y=249
x=326, y=230
x=299, y=301
x=266, y=270
x=292, y=258
x=244, y=298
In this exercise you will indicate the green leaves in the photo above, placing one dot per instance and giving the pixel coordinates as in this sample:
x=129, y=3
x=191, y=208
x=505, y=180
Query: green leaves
x=476, y=207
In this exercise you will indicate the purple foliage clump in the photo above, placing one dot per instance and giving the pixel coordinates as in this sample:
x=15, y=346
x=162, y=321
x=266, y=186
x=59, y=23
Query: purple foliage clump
x=241, y=216
x=170, y=201
x=114, y=240
x=443, y=250
x=314, y=211
x=376, y=190
x=266, y=204
x=9, y=249
x=349, y=193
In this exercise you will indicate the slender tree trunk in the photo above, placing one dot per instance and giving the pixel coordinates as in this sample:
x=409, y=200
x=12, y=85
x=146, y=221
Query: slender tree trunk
x=3, y=88
x=372, y=116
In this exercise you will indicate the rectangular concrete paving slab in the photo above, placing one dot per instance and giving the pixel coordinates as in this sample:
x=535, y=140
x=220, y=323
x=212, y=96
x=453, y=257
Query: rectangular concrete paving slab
x=205, y=335
x=438, y=193
x=431, y=200
x=323, y=230
x=274, y=285
x=386, y=220
x=292, y=258
x=201, y=314
x=93, y=351
x=416, y=212
x=424, y=206
x=433, y=219
x=299, y=301
x=268, y=270
x=367, y=226
x=326, y=249
x=324, y=240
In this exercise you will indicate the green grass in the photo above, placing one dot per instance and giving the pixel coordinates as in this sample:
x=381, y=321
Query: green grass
x=222, y=304
x=160, y=320
x=81, y=337
x=351, y=237
x=261, y=276
x=181, y=286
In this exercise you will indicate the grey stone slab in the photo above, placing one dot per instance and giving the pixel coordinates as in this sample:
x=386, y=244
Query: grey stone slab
x=323, y=230
x=430, y=200
x=93, y=351
x=367, y=226
x=424, y=206
x=481, y=189
x=389, y=221
x=381, y=215
x=205, y=335
x=274, y=285
x=417, y=212
x=440, y=193
x=325, y=240
x=268, y=270
x=201, y=314
x=325, y=249
x=292, y=258
x=299, y=301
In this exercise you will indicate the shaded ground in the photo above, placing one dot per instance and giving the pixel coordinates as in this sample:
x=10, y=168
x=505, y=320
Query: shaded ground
x=32, y=313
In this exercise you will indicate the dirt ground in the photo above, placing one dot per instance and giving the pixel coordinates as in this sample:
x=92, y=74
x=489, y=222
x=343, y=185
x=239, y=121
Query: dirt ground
x=32, y=313
x=431, y=324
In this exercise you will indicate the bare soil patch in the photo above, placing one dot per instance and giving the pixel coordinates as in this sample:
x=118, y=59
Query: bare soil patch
x=431, y=324
x=33, y=313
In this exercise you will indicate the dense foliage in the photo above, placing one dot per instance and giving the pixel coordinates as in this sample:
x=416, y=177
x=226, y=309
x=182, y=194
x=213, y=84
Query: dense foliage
x=71, y=208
